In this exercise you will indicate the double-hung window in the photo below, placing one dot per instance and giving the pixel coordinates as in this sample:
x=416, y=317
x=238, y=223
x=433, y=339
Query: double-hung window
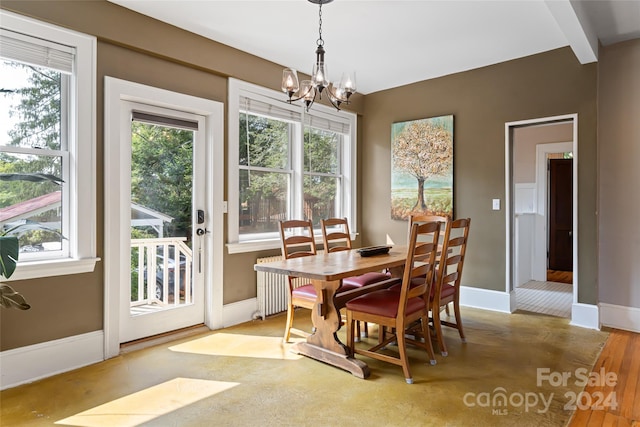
x=47, y=146
x=285, y=163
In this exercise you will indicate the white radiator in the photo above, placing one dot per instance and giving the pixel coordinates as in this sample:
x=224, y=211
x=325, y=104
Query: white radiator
x=272, y=290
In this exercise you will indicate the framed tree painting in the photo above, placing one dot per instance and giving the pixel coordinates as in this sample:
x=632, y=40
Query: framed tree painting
x=422, y=167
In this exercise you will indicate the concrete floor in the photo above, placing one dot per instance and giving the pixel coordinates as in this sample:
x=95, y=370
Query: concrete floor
x=245, y=376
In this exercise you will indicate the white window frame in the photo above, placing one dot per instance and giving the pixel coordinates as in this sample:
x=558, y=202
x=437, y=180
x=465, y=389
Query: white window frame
x=81, y=188
x=238, y=88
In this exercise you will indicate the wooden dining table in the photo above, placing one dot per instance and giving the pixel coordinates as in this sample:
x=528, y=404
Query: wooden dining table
x=326, y=271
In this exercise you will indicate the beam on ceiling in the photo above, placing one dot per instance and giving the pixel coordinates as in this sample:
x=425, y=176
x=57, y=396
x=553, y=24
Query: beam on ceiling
x=577, y=28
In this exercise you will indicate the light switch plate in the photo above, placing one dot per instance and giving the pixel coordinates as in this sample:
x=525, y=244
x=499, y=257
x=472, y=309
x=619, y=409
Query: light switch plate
x=496, y=204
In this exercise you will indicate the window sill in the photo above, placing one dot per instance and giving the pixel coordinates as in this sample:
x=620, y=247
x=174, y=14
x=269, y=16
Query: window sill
x=253, y=246
x=50, y=268
x=264, y=245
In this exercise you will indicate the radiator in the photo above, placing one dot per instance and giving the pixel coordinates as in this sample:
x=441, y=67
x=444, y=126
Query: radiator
x=272, y=290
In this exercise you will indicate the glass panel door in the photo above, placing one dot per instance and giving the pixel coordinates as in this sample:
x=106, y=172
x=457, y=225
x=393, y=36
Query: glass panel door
x=166, y=251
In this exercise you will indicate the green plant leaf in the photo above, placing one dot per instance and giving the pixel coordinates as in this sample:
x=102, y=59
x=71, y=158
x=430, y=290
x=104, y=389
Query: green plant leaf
x=9, y=298
x=9, y=250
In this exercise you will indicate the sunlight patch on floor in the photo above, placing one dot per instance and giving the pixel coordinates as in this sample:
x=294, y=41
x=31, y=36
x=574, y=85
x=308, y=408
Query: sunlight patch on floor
x=237, y=345
x=148, y=404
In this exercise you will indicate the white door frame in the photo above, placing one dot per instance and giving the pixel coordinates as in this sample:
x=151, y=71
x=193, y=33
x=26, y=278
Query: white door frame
x=510, y=279
x=116, y=216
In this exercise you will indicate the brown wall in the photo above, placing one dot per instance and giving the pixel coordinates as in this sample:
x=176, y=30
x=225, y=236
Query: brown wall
x=482, y=101
x=619, y=173
x=136, y=48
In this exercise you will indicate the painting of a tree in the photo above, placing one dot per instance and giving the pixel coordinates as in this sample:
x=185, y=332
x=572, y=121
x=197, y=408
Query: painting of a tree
x=422, y=167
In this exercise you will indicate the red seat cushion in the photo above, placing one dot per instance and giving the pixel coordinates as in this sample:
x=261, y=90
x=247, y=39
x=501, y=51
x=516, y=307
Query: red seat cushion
x=383, y=303
x=309, y=292
x=447, y=290
x=365, y=279
x=305, y=291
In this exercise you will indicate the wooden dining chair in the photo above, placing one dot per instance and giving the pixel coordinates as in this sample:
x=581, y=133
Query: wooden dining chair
x=297, y=240
x=336, y=237
x=449, y=274
x=396, y=311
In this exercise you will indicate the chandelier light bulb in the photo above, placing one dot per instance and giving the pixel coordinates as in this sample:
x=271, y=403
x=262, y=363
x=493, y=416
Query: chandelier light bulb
x=348, y=82
x=290, y=81
x=320, y=77
x=307, y=91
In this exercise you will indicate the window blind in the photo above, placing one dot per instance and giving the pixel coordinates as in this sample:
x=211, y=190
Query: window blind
x=326, y=124
x=262, y=108
x=155, y=119
x=32, y=51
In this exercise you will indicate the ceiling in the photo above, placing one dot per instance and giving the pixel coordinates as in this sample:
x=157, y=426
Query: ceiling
x=393, y=43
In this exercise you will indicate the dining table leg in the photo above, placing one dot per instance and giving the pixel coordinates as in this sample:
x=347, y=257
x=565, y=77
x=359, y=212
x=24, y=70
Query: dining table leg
x=323, y=344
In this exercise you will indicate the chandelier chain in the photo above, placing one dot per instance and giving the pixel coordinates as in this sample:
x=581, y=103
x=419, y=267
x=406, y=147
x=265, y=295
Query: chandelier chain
x=320, y=42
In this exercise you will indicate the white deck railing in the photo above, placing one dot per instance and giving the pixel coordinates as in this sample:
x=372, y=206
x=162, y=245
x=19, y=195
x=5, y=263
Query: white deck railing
x=164, y=267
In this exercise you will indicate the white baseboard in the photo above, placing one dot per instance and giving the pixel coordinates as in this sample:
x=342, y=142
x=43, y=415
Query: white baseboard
x=239, y=312
x=27, y=364
x=620, y=317
x=486, y=299
x=585, y=316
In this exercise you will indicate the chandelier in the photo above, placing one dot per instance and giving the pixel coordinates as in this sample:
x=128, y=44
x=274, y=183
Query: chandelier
x=309, y=90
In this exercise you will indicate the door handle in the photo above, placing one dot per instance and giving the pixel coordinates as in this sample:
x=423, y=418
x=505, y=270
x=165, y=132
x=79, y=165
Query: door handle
x=200, y=232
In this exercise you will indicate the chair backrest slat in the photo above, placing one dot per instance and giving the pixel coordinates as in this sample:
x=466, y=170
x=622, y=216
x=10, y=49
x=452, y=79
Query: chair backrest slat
x=335, y=240
x=296, y=238
x=296, y=241
x=421, y=219
x=451, y=261
x=419, y=267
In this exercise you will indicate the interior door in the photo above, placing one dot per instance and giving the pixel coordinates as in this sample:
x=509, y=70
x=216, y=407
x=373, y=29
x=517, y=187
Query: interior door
x=167, y=236
x=561, y=214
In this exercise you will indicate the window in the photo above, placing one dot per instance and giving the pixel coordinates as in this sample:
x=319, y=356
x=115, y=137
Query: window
x=47, y=146
x=285, y=163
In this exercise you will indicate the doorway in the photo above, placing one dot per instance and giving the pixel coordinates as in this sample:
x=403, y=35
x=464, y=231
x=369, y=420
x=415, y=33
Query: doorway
x=560, y=219
x=163, y=238
x=544, y=153
x=535, y=209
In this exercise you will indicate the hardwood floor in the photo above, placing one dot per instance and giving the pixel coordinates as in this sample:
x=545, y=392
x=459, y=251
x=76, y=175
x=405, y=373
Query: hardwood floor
x=613, y=396
x=560, y=276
